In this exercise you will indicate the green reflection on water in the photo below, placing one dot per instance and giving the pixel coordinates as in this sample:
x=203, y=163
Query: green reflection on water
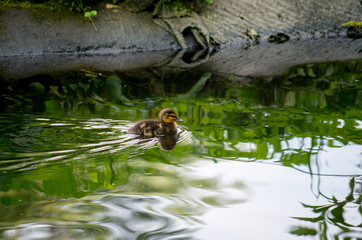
x=63, y=135
x=333, y=214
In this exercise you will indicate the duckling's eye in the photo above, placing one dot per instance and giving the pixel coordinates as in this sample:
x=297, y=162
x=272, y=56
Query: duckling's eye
x=171, y=115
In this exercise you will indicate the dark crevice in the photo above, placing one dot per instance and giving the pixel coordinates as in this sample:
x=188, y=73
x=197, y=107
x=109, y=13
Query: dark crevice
x=190, y=39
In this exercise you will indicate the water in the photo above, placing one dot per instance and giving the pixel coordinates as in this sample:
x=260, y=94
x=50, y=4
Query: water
x=268, y=158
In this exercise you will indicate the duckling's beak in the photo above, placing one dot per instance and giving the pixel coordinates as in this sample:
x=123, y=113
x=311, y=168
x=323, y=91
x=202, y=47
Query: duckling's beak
x=179, y=119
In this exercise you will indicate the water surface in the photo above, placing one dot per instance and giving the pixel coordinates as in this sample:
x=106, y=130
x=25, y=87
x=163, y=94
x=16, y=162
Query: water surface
x=259, y=158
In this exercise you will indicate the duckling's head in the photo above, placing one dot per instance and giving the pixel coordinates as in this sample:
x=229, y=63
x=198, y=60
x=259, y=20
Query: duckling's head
x=169, y=116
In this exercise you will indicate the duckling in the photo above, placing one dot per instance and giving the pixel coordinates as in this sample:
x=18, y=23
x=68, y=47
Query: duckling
x=153, y=127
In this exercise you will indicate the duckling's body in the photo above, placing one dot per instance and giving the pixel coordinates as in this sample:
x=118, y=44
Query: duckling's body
x=152, y=127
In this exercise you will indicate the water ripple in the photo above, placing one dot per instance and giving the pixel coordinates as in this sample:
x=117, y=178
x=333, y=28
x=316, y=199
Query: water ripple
x=54, y=229
x=114, y=216
x=54, y=145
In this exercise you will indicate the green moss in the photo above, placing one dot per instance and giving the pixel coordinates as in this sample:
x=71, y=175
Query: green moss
x=55, y=5
x=184, y=6
x=178, y=6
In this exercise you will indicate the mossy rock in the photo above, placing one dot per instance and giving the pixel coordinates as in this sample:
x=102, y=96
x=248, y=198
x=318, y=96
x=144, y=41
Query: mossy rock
x=171, y=9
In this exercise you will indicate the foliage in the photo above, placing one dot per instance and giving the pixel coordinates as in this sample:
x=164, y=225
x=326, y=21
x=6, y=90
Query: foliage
x=61, y=7
x=84, y=5
x=87, y=6
x=90, y=15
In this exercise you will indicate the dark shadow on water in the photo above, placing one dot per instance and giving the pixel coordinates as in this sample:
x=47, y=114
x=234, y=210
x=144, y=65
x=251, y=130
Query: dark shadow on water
x=168, y=142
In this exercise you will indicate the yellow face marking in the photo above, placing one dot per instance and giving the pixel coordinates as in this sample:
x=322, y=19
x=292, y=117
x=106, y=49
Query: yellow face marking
x=172, y=116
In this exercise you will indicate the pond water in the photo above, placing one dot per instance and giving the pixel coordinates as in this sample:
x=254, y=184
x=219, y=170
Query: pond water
x=276, y=157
